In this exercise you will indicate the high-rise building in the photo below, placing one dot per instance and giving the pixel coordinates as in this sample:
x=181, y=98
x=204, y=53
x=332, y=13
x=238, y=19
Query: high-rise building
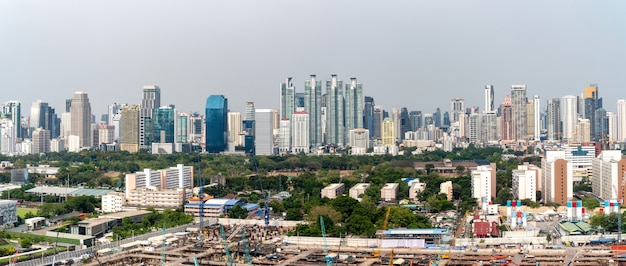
x=530, y=120
x=388, y=132
x=591, y=103
x=368, y=114
x=359, y=140
x=313, y=106
x=397, y=124
x=489, y=107
x=484, y=182
x=437, y=117
x=234, y=128
x=457, y=107
x=378, y=122
x=264, y=132
x=41, y=141
x=284, y=136
x=601, y=124
x=13, y=111
x=446, y=120
x=287, y=99
x=581, y=132
x=150, y=100
x=621, y=120
x=569, y=116
x=44, y=116
x=299, y=100
x=475, y=128
x=553, y=119
x=196, y=128
x=518, y=99
x=607, y=174
x=7, y=136
x=300, y=130
x=216, y=128
x=354, y=105
x=506, y=117
x=405, y=122
x=524, y=181
x=415, y=119
x=163, y=123
x=81, y=119
x=537, y=117
x=129, y=128
x=182, y=128
x=611, y=118
x=335, y=114
x=106, y=134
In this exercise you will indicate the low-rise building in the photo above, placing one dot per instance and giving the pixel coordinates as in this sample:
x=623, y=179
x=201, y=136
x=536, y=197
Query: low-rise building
x=389, y=192
x=212, y=208
x=446, y=188
x=112, y=202
x=333, y=190
x=8, y=212
x=166, y=198
x=357, y=190
x=35, y=223
x=415, y=189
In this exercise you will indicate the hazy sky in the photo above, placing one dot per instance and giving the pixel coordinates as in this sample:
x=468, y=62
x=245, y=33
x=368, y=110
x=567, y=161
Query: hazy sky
x=417, y=54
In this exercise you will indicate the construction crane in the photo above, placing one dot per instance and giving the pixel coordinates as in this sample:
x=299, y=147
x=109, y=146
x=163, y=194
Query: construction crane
x=228, y=260
x=163, y=250
x=201, y=196
x=382, y=236
x=195, y=261
x=266, y=198
x=245, y=246
x=326, y=257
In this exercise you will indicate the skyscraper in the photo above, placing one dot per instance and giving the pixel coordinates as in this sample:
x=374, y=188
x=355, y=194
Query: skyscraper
x=537, y=115
x=41, y=140
x=415, y=118
x=335, y=123
x=368, y=114
x=405, y=122
x=13, y=111
x=601, y=125
x=591, y=103
x=287, y=99
x=457, y=107
x=313, y=106
x=129, y=128
x=151, y=99
x=299, y=100
x=264, y=132
x=250, y=111
x=300, y=130
x=234, y=128
x=569, y=116
x=388, y=128
x=81, y=119
x=437, y=117
x=354, y=106
x=553, y=119
x=42, y=115
x=518, y=99
x=621, y=120
x=489, y=107
x=164, y=121
x=378, y=121
x=216, y=124
x=506, y=117
x=182, y=128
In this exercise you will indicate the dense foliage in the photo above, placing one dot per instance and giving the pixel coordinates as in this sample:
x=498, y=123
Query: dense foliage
x=155, y=220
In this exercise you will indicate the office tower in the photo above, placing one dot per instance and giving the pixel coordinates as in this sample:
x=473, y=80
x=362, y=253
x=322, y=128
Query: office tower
x=591, y=103
x=569, y=116
x=150, y=100
x=607, y=174
x=335, y=115
x=129, y=128
x=163, y=122
x=489, y=122
x=388, y=133
x=68, y=105
x=621, y=120
x=234, y=128
x=446, y=119
x=553, y=119
x=489, y=107
x=287, y=99
x=354, y=105
x=378, y=122
x=484, y=182
x=264, y=132
x=299, y=100
x=275, y=119
x=249, y=111
x=475, y=128
x=530, y=120
x=405, y=122
x=313, y=106
x=247, y=131
x=457, y=106
x=557, y=176
x=415, y=119
x=12, y=110
x=196, y=128
x=368, y=114
x=105, y=134
x=284, y=136
x=182, y=128
x=41, y=141
x=518, y=99
x=506, y=117
x=359, y=141
x=601, y=124
x=7, y=136
x=66, y=125
x=44, y=116
x=581, y=133
x=81, y=119
x=397, y=123
x=300, y=130
x=437, y=117
x=216, y=128
x=537, y=115
x=114, y=110
x=428, y=120
x=611, y=118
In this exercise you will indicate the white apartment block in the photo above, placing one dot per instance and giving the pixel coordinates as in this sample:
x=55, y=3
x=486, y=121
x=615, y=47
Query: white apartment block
x=389, y=192
x=557, y=178
x=415, y=189
x=359, y=140
x=180, y=176
x=608, y=172
x=484, y=182
x=112, y=202
x=580, y=156
x=333, y=190
x=525, y=182
x=446, y=188
x=284, y=136
x=300, y=130
x=167, y=198
x=357, y=190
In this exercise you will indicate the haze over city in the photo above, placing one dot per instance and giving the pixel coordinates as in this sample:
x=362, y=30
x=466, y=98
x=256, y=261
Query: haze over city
x=415, y=54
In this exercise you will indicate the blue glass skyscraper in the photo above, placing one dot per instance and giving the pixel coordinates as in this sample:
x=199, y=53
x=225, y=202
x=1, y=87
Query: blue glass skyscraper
x=163, y=120
x=216, y=124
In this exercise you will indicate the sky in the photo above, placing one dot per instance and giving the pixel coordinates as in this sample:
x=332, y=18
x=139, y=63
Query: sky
x=414, y=54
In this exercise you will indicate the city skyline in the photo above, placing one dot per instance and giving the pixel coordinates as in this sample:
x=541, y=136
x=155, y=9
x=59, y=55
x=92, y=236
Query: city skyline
x=475, y=44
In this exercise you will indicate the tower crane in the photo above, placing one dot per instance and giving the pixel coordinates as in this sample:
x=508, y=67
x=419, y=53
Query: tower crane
x=266, y=198
x=245, y=247
x=326, y=257
x=228, y=260
x=163, y=250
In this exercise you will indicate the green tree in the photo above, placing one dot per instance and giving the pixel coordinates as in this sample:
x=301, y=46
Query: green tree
x=26, y=242
x=238, y=212
x=361, y=225
x=293, y=214
x=590, y=203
